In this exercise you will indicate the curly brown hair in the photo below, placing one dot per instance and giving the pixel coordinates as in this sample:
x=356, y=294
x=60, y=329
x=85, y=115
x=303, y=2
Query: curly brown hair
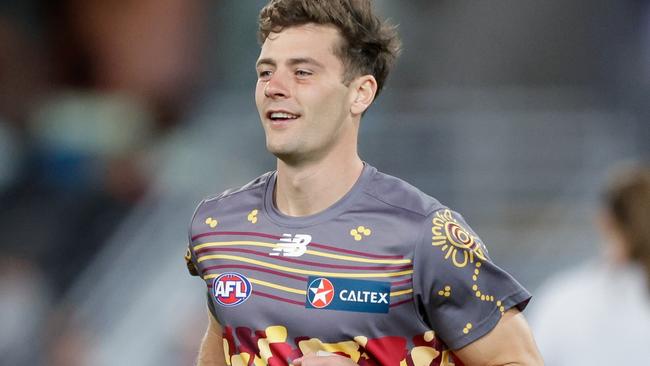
x=370, y=45
x=627, y=198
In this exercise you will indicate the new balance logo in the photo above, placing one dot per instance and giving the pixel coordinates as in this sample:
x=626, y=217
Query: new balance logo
x=291, y=246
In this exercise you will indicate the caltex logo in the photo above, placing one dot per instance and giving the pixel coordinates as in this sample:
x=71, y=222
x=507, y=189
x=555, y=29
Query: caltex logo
x=231, y=289
x=348, y=294
x=321, y=292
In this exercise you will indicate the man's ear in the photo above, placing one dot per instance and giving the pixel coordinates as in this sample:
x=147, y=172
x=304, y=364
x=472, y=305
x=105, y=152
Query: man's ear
x=364, y=91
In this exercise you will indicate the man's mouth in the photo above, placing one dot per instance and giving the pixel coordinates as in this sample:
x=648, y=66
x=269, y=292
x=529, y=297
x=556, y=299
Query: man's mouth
x=281, y=116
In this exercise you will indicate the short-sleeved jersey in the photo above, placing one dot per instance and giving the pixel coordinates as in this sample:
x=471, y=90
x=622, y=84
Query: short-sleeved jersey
x=386, y=276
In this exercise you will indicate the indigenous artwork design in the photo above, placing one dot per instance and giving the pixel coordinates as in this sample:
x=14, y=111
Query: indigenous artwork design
x=458, y=243
x=246, y=347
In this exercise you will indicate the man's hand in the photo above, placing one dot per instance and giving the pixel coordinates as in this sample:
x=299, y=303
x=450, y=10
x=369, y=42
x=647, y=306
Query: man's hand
x=322, y=358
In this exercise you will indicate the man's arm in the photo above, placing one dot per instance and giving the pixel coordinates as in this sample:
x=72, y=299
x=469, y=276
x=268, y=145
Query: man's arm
x=211, y=350
x=509, y=343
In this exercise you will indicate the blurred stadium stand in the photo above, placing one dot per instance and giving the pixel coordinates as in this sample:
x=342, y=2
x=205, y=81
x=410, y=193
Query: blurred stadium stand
x=511, y=112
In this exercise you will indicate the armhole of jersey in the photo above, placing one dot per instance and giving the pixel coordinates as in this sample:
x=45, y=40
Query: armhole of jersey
x=208, y=296
x=192, y=261
x=189, y=229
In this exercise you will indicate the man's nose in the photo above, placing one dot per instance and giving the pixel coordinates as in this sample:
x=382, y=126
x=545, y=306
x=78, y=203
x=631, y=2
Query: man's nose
x=276, y=87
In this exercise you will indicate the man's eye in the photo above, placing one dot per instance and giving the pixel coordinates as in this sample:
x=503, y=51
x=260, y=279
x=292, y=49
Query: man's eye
x=303, y=73
x=264, y=74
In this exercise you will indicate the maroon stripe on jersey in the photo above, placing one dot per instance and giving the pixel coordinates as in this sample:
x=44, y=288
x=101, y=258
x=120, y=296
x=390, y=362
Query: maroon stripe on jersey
x=323, y=246
x=400, y=302
x=361, y=254
x=245, y=233
x=263, y=294
x=299, y=261
x=254, y=268
x=402, y=282
x=278, y=273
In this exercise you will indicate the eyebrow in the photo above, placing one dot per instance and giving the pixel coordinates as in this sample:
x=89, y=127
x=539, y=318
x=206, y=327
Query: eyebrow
x=290, y=62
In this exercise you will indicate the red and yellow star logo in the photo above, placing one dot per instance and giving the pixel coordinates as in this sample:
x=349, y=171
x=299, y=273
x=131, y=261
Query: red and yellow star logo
x=321, y=292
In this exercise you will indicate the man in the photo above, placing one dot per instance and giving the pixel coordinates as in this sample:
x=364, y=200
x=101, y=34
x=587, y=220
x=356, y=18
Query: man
x=327, y=261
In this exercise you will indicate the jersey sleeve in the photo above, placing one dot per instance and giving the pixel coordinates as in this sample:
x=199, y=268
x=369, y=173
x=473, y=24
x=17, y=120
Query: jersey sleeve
x=459, y=292
x=191, y=260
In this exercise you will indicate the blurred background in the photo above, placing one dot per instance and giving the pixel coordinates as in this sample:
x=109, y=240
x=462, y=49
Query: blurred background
x=117, y=117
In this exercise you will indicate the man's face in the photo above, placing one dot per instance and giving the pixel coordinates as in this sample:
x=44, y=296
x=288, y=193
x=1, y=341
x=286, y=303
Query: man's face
x=302, y=101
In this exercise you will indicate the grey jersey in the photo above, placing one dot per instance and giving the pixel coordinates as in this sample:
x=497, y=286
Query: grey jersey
x=385, y=276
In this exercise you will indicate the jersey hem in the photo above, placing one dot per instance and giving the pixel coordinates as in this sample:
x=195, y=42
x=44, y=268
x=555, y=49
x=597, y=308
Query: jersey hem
x=519, y=299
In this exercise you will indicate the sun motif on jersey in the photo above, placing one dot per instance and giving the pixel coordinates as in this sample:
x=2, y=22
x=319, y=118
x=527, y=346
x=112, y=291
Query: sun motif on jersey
x=455, y=241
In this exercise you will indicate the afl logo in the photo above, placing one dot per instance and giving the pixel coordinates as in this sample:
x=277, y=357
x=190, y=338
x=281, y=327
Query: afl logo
x=231, y=289
x=321, y=292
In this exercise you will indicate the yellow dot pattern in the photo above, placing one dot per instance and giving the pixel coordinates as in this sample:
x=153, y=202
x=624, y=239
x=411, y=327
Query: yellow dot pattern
x=446, y=292
x=360, y=232
x=252, y=216
x=464, y=251
x=211, y=222
x=479, y=294
x=502, y=309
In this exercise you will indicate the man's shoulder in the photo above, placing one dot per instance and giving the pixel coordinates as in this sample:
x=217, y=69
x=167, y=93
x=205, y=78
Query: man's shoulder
x=400, y=194
x=254, y=188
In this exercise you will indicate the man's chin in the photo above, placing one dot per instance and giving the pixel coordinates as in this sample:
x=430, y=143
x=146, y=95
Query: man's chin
x=289, y=156
x=279, y=150
x=284, y=156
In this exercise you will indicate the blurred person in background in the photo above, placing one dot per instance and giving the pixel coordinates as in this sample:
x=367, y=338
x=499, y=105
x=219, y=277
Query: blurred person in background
x=599, y=312
x=320, y=67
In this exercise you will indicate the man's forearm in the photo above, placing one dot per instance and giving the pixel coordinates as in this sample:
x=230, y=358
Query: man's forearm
x=208, y=355
x=510, y=343
x=211, y=351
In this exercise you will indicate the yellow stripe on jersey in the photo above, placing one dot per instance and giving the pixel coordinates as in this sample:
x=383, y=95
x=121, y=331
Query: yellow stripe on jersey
x=294, y=290
x=230, y=243
x=277, y=287
x=312, y=252
x=403, y=292
x=303, y=271
x=356, y=259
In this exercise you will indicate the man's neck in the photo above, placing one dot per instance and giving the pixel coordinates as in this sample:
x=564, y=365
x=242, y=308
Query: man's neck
x=308, y=189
